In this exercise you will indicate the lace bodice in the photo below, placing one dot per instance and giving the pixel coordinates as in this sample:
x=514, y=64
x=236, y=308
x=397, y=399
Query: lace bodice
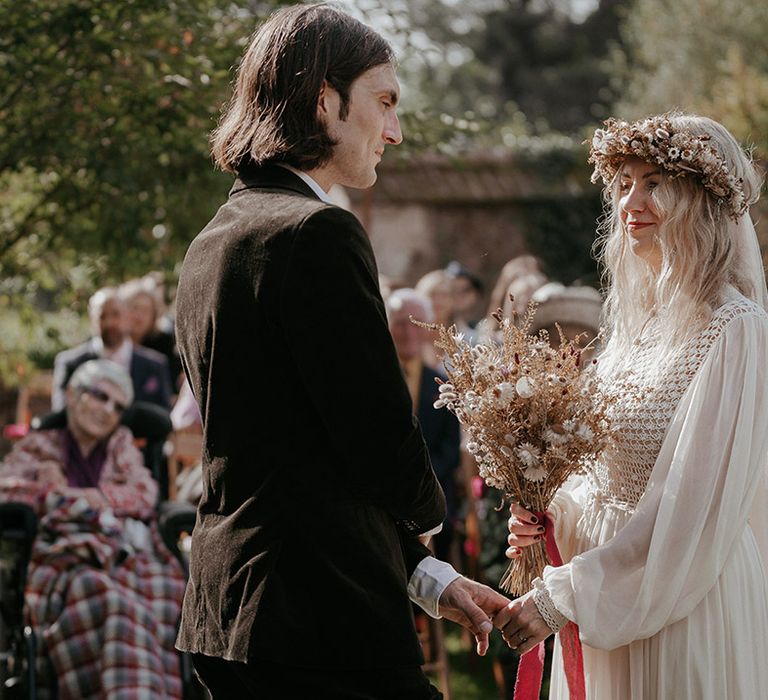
x=642, y=415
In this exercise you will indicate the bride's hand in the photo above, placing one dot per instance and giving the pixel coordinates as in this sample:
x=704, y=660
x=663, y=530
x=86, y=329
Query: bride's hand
x=521, y=624
x=524, y=530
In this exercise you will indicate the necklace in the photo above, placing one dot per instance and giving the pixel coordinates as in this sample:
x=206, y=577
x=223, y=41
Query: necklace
x=639, y=340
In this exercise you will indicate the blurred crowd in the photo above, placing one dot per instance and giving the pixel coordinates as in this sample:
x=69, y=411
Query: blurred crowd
x=88, y=460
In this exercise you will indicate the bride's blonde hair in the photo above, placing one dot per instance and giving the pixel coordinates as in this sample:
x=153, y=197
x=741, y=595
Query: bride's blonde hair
x=697, y=238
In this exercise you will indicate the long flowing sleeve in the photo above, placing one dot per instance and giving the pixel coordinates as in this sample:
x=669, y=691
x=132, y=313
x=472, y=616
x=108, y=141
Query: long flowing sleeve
x=699, y=497
x=566, y=509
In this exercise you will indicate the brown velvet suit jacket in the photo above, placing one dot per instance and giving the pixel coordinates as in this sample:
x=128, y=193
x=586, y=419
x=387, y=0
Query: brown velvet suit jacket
x=315, y=473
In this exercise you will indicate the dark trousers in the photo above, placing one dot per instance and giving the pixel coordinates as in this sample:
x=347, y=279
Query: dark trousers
x=226, y=680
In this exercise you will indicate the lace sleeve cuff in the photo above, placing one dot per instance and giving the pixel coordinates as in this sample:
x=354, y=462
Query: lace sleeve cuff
x=552, y=616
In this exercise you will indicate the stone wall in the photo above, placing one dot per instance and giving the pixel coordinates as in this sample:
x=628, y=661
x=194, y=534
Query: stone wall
x=481, y=211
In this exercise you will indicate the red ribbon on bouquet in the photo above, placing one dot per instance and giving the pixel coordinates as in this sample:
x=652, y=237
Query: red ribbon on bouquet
x=531, y=667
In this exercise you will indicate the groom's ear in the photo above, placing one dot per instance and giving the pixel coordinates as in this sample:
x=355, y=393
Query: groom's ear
x=328, y=101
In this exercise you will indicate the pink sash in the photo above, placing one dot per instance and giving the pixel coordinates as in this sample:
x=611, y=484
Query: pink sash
x=531, y=667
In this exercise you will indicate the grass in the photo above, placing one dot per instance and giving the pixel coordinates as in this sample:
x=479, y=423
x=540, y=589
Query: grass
x=471, y=676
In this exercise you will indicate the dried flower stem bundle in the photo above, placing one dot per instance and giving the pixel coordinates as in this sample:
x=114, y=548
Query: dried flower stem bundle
x=531, y=415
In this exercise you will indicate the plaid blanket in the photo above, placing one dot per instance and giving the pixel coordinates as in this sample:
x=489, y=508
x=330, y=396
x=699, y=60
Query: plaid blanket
x=104, y=596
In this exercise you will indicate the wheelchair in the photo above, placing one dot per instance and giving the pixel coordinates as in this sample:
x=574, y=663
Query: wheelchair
x=20, y=675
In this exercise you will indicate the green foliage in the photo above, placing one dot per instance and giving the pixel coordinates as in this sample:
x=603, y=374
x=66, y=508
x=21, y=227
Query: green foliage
x=105, y=109
x=103, y=119
x=703, y=56
x=562, y=232
x=505, y=61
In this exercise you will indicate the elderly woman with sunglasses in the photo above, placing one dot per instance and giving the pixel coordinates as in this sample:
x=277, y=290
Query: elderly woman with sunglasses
x=103, y=593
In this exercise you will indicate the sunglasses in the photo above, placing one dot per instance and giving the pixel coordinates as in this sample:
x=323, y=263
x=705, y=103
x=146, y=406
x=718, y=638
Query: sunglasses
x=105, y=398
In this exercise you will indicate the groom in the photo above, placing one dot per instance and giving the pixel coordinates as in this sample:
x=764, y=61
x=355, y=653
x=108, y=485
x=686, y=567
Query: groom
x=318, y=495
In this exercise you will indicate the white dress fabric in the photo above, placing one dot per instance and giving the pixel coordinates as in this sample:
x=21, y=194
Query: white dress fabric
x=664, y=573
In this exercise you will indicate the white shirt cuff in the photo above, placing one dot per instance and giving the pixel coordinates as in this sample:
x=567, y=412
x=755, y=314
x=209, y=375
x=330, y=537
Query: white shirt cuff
x=428, y=582
x=434, y=531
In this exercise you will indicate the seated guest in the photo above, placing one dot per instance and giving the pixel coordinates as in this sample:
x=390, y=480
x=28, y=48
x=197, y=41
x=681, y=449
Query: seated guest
x=145, y=310
x=103, y=593
x=109, y=318
x=440, y=428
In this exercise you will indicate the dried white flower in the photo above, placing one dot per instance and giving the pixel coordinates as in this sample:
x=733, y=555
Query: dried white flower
x=585, y=432
x=503, y=394
x=524, y=387
x=528, y=454
x=556, y=436
x=537, y=473
x=447, y=393
x=678, y=151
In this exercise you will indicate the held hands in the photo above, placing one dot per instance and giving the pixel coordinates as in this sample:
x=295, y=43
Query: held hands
x=524, y=530
x=521, y=624
x=51, y=474
x=93, y=497
x=473, y=606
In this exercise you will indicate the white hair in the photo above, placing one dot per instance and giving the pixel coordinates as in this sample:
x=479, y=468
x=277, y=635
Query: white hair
x=93, y=371
x=99, y=298
x=145, y=286
x=700, y=253
x=400, y=297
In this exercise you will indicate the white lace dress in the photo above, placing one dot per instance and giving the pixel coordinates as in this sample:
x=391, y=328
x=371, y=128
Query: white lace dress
x=664, y=572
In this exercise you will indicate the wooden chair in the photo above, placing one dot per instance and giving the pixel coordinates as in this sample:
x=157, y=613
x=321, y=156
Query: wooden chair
x=184, y=450
x=34, y=397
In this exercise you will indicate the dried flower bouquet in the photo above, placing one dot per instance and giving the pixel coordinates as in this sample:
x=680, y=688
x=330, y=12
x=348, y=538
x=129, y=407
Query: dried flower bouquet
x=531, y=415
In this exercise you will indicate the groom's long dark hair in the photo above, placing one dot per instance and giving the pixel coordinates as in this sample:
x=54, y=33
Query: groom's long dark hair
x=272, y=115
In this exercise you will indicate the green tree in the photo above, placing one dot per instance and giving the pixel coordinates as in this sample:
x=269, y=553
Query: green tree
x=507, y=61
x=105, y=107
x=704, y=56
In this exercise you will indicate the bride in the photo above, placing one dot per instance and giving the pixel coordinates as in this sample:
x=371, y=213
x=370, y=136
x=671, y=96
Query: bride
x=664, y=538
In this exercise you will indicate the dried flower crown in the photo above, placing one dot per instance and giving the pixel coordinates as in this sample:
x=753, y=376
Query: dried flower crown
x=680, y=153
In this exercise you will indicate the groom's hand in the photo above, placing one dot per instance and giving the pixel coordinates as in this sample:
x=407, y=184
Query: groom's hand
x=473, y=606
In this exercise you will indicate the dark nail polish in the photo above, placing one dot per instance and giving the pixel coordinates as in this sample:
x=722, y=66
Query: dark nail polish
x=537, y=538
x=534, y=519
x=540, y=529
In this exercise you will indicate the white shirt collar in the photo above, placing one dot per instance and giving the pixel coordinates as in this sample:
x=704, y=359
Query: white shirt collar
x=123, y=354
x=319, y=191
